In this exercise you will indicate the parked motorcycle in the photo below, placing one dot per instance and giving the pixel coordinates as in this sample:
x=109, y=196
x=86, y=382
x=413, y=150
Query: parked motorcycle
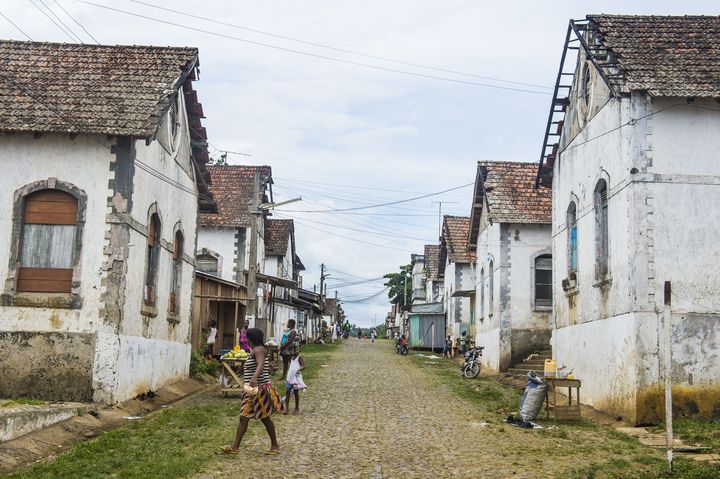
x=400, y=348
x=471, y=363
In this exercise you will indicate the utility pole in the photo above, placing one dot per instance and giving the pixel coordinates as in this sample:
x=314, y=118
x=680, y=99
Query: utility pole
x=252, y=271
x=440, y=203
x=667, y=320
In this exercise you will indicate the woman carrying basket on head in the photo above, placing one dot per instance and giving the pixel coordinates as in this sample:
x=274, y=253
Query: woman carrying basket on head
x=260, y=398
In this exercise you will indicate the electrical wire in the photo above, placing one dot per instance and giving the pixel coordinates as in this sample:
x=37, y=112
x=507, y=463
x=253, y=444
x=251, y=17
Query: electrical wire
x=51, y=19
x=314, y=55
x=61, y=22
x=342, y=50
x=78, y=23
x=15, y=25
x=382, y=204
x=294, y=180
x=350, y=238
x=364, y=299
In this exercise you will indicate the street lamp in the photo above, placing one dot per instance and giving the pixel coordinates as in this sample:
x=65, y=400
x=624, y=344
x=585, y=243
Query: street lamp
x=269, y=206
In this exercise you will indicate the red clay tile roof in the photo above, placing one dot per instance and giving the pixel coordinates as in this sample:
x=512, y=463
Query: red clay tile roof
x=664, y=55
x=114, y=90
x=232, y=188
x=432, y=261
x=455, y=240
x=277, y=236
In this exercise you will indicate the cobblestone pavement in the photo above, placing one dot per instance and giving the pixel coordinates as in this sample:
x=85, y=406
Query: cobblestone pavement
x=373, y=414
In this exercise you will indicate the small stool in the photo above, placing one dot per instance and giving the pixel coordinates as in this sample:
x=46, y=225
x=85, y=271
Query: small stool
x=567, y=411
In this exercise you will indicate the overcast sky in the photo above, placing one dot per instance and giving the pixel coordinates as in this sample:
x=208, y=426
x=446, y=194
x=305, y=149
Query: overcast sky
x=343, y=135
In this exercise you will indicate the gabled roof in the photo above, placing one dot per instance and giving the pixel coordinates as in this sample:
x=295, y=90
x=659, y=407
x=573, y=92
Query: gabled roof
x=663, y=55
x=507, y=190
x=278, y=234
x=232, y=187
x=432, y=259
x=82, y=88
x=454, y=242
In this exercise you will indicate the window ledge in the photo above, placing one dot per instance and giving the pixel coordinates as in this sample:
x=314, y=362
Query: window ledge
x=172, y=318
x=149, y=311
x=542, y=307
x=603, y=282
x=42, y=300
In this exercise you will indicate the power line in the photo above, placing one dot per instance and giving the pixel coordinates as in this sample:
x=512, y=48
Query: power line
x=52, y=20
x=330, y=47
x=15, y=25
x=74, y=20
x=61, y=22
x=392, y=235
x=292, y=180
x=349, y=237
x=315, y=55
x=364, y=299
x=382, y=204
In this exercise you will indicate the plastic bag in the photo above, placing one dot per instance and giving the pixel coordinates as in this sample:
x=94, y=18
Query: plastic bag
x=533, y=397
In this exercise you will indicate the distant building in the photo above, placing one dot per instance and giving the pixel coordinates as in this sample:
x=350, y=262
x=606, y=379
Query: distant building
x=510, y=233
x=457, y=268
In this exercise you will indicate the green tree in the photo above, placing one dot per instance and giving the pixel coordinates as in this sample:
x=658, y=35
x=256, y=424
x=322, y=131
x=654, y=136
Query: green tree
x=400, y=285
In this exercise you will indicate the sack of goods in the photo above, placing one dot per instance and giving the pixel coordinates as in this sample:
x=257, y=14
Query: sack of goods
x=533, y=397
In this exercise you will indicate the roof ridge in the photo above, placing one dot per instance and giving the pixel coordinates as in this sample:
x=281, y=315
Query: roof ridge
x=94, y=45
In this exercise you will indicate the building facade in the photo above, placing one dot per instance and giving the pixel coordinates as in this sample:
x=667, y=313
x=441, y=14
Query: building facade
x=102, y=185
x=457, y=268
x=510, y=233
x=634, y=173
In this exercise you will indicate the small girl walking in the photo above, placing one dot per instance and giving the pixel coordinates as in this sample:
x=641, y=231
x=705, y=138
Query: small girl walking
x=294, y=381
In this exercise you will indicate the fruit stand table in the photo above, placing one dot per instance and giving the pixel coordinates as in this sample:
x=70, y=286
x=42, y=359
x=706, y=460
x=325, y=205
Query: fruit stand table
x=234, y=369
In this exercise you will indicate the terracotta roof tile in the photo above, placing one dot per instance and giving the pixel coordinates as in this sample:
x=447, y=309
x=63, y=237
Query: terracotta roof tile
x=664, y=55
x=277, y=236
x=509, y=188
x=432, y=260
x=232, y=188
x=115, y=90
x=455, y=239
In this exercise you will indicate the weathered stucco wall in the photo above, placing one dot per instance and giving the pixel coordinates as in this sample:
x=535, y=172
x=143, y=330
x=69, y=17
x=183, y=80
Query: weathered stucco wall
x=663, y=177
x=222, y=242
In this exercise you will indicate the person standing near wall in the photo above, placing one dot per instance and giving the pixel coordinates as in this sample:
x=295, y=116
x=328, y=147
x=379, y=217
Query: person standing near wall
x=211, y=335
x=289, y=340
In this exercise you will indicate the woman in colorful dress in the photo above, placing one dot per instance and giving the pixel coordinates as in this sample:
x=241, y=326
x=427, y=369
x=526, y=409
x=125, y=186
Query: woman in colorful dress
x=289, y=340
x=262, y=404
x=243, y=339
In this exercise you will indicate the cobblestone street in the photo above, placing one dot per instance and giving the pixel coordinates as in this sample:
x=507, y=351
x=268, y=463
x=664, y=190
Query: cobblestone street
x=348, y=428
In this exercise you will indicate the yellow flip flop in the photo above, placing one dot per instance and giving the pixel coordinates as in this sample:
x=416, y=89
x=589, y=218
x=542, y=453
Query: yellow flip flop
x=230, y=451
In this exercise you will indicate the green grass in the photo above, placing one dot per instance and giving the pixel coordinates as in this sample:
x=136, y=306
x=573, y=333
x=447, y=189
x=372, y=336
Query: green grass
x=175, y=442
x=19, y=401
x=696, y=431
x=589, y=450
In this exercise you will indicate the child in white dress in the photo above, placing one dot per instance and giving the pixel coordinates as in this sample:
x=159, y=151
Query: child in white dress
x=294, y=380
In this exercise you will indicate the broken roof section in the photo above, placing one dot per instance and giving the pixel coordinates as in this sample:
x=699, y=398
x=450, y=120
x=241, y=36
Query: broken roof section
x=232, y=186
x=663, y=55
x=432, y=260
x=454, y=242
x=506, y=189
x=81, y=88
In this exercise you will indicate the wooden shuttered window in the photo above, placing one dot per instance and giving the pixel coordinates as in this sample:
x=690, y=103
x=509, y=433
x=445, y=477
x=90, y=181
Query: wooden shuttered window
x=177, y=272
x=153, y=258
x=47, y=250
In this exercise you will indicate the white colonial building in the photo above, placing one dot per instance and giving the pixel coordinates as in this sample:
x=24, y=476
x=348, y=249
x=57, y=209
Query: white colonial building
x=457, y=268
x=102, y=156
x=632, y=153
x=510, y=232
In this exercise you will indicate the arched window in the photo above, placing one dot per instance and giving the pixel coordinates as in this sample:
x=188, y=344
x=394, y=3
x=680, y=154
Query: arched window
x=543, y=280
x=152, y=260
x=491, y=288
x=207, y=263
x=177, y=272
x=47, y=249
x=572, y=237
x=482, y=294
x=601, y=229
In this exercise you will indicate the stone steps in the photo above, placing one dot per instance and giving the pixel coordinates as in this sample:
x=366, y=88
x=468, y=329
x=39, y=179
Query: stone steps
x=534, y=362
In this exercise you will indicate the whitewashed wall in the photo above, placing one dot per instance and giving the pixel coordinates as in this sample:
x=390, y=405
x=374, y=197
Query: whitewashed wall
x=222, y=242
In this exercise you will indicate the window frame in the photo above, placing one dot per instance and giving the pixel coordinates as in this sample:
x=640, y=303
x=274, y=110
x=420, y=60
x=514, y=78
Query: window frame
x=56, y=300
x=153, y=253
x=602, y=235
x=482, y=294
x=572, y=238
x=541, y=304
x=176, y=279
x=491, y=288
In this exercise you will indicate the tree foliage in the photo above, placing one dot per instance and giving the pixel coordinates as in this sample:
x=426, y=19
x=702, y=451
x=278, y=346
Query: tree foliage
x=400, y=285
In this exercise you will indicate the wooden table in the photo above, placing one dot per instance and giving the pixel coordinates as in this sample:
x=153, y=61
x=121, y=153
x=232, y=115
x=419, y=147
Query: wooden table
x=569, y=411
x=234, y=368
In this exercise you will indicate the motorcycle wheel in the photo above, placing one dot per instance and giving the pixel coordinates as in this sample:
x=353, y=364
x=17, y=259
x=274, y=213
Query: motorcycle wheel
x=404, y=351
x=471, y=370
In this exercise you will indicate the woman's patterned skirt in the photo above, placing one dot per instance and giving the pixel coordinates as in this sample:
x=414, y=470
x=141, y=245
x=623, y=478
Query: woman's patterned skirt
x=262, y=404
